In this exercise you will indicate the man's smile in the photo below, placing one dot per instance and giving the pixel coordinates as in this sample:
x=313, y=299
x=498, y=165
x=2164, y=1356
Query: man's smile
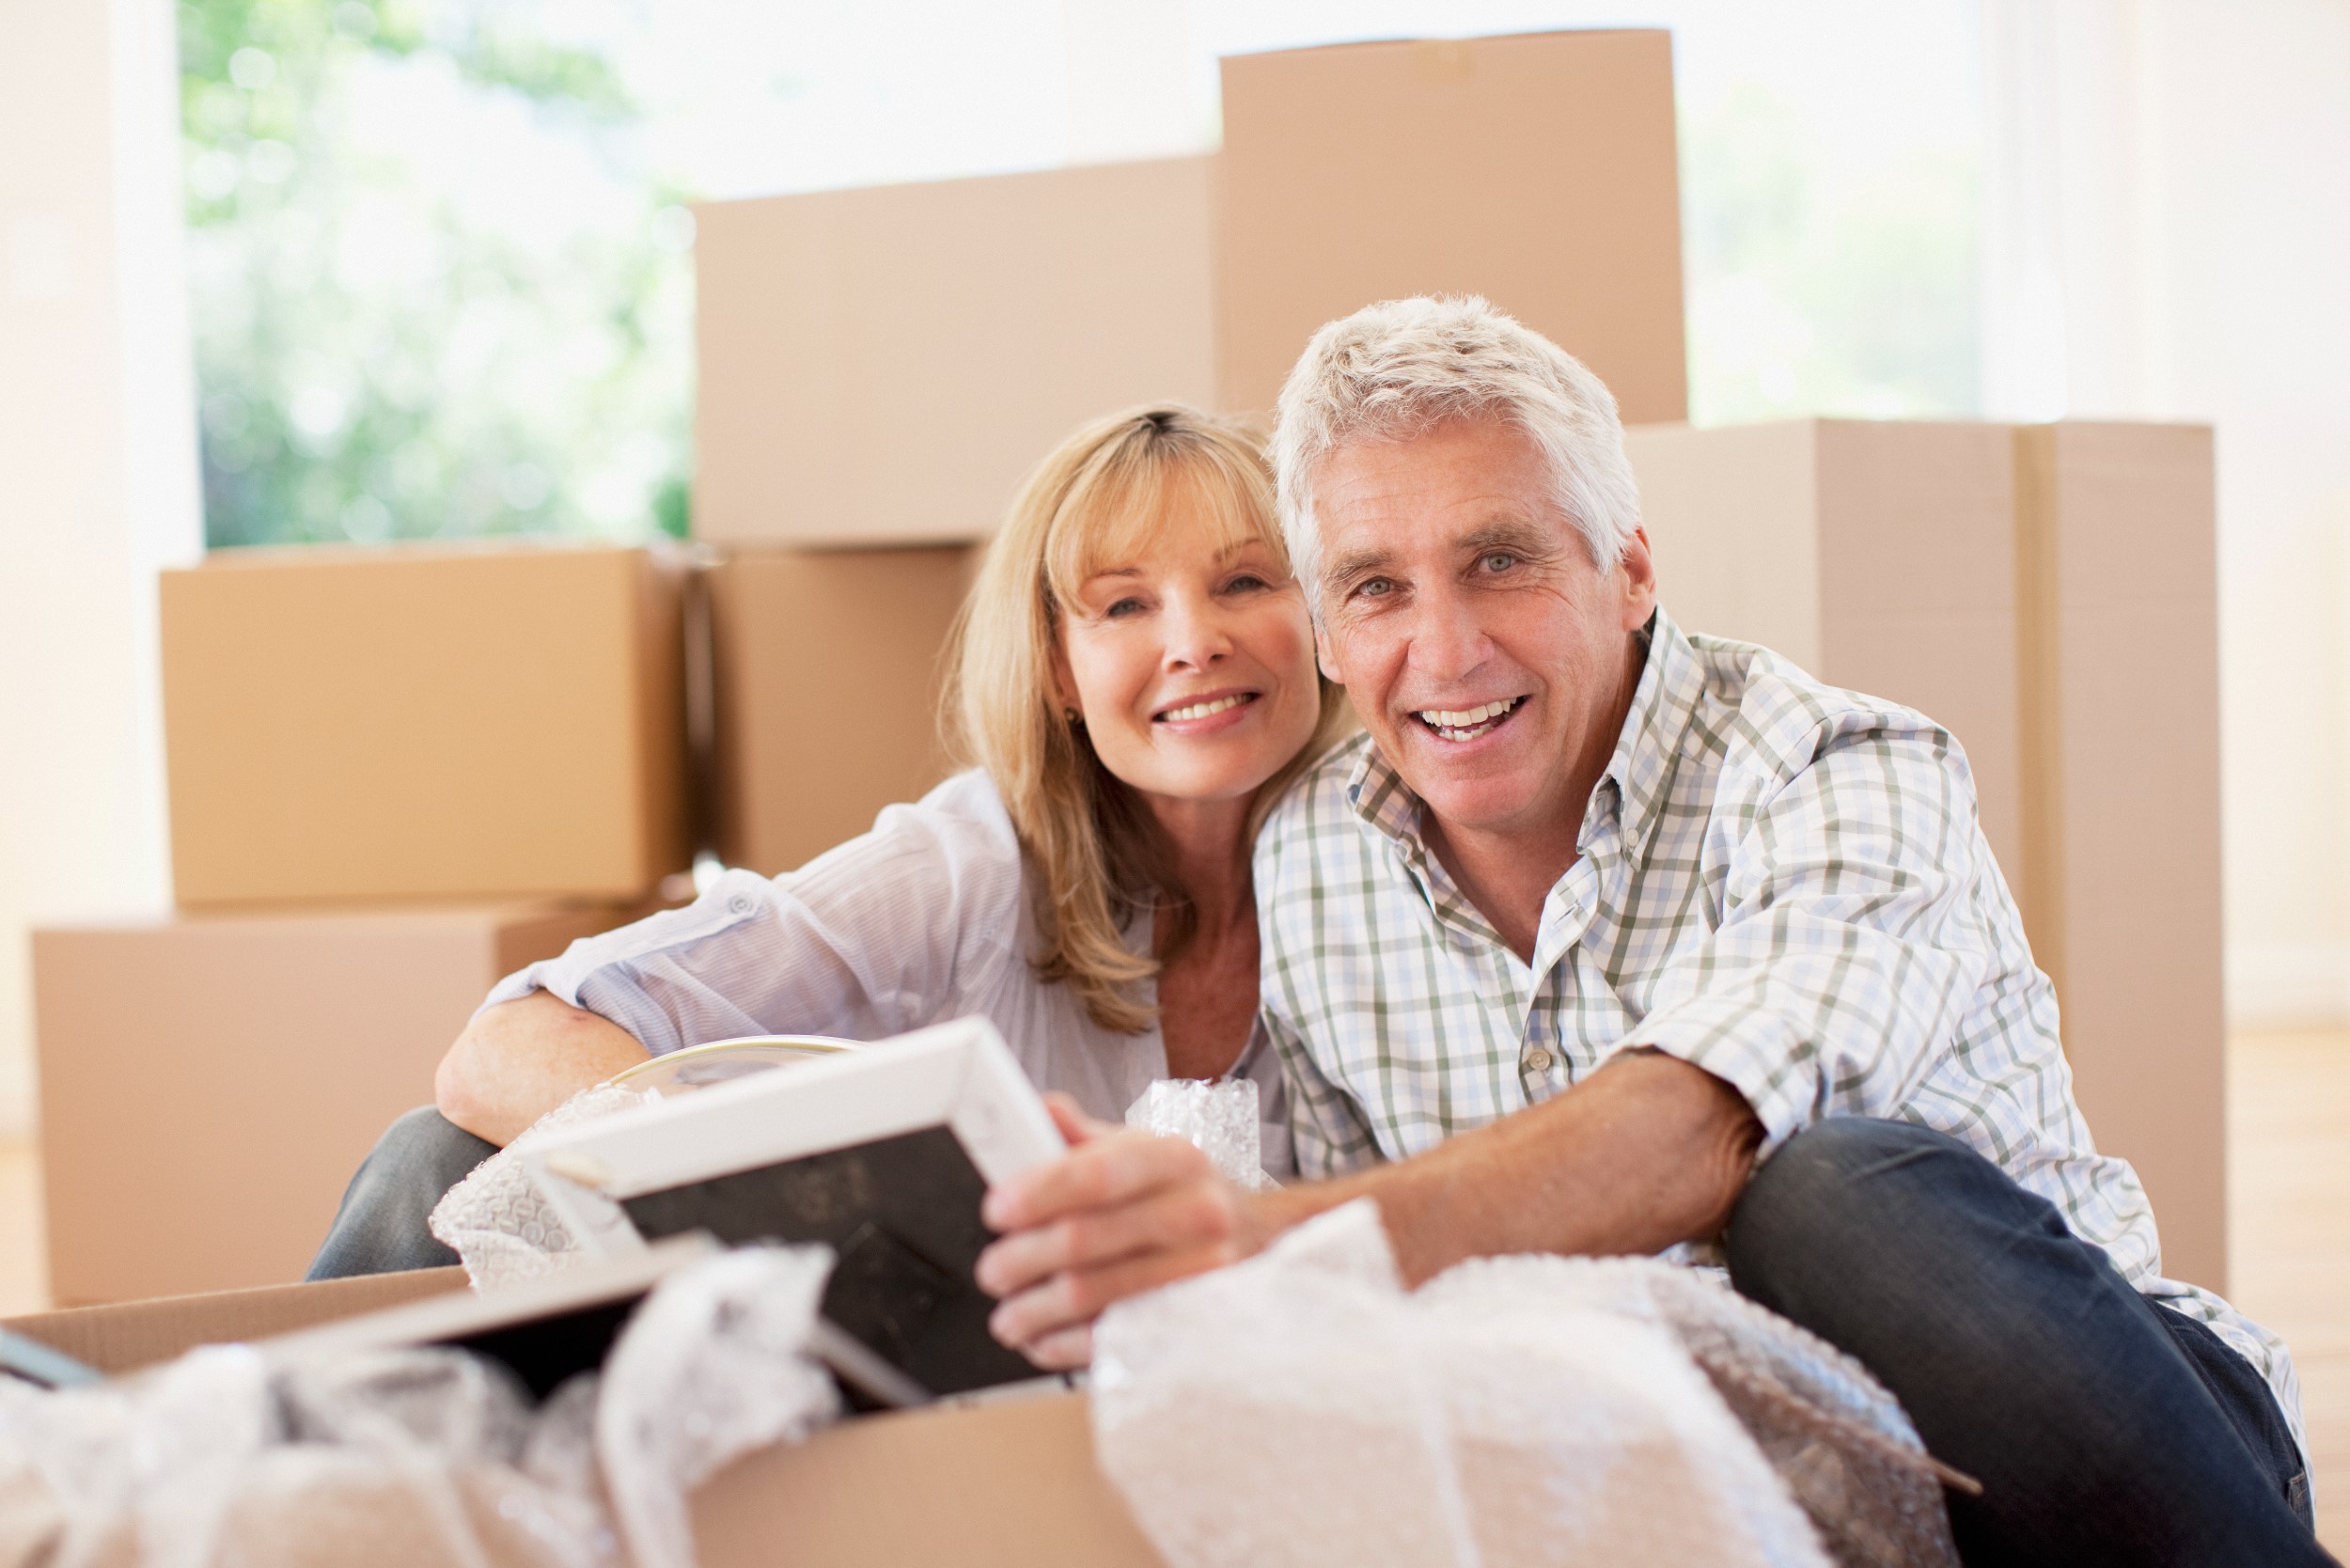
x=1468, y=723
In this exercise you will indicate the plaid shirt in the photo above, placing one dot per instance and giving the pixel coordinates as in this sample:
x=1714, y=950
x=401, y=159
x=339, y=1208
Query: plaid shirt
x=1779, y=881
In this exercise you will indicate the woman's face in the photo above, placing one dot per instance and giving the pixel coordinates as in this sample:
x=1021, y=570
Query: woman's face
x=1192, y=668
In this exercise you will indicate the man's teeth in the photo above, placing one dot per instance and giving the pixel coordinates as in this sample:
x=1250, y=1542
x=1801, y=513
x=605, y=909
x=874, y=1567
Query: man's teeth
x=1463, y=718
x=1202, y=710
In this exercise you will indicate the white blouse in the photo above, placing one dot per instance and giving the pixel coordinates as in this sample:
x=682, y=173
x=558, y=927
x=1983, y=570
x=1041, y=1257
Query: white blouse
x=923, y=919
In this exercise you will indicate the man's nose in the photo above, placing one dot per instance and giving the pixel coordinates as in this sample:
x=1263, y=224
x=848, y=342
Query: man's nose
x=1449, y=642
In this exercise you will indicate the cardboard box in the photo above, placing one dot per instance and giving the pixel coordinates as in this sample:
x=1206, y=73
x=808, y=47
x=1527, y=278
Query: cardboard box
x=2121, y=887
x=431, y=723
x=1538, y=170
x=886, y=364
x=208, y=1084
x=1880, y=556
x=827, y=669
x=1011, y=1484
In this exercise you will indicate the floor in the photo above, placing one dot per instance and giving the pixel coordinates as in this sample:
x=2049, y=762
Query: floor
x=2289, y=1127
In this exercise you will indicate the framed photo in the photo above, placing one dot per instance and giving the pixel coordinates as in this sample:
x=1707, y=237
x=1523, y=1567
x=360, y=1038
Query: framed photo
x=882, y=1153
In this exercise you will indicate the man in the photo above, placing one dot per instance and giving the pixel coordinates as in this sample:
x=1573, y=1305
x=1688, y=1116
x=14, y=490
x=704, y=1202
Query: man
x=1609, y=939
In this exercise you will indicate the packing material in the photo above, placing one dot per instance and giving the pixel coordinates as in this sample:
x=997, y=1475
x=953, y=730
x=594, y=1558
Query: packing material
x=2121, y=888
x=827, y=666
x=883, y=365
x=1538, y=170
x=424, y=721
x=1008, y=1485
x=208, y=1083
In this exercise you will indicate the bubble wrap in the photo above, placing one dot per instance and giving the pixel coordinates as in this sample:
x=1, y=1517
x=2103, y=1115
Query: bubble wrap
x=419, y=1458
x=495, y=1219
x=1222, y=1119
x=1304, y=1408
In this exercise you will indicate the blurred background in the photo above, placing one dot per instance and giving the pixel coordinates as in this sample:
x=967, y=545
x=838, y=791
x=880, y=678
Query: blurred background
x=283, y=272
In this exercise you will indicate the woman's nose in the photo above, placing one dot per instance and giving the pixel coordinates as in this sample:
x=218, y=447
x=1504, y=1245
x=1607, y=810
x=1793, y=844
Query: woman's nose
x=1196, y=635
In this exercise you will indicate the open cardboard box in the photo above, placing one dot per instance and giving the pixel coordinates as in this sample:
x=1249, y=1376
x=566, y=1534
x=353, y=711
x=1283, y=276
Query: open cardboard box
x=981, y=1486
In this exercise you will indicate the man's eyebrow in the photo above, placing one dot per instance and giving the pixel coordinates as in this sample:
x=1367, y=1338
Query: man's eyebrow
x=1355, y=563
x=1526, y=539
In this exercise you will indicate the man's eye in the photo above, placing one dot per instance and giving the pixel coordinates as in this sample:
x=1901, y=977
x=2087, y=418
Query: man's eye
x=1499, y=560
x=1373, y=588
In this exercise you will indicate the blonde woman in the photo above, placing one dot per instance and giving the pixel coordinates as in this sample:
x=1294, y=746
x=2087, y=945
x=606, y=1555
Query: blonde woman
x=1134, y=682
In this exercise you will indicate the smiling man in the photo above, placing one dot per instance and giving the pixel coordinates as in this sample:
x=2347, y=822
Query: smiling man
x=1609, y=938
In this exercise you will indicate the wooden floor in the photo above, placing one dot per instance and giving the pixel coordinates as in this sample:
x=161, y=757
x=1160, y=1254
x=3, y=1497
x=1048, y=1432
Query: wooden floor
x=2289, y=1125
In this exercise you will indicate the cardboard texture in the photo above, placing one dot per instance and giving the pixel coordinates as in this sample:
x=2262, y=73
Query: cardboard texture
x=429, y=723
x=1880, y=556
x=827, y=667
x=1007, y=1484
x=1538, y=170
x=125, y=1336
x=2121, y=887
x=208, y=1084
x=886, y=364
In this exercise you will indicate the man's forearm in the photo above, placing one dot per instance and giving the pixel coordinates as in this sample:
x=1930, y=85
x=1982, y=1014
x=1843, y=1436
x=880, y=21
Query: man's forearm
x=1646, y=1153
x=522, y=1058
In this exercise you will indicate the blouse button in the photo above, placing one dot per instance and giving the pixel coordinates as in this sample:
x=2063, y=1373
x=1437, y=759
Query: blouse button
x=741, y=904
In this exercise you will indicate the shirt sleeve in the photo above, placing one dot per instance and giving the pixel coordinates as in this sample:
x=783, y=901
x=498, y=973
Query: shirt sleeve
x=1851, y=934
x=1328, y=1133
x=868, y=940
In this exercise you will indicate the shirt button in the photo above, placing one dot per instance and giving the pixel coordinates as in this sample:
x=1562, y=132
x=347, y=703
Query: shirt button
x=1538, y=1061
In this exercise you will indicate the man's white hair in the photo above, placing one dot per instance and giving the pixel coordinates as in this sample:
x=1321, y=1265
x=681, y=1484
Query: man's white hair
x=1392, y=370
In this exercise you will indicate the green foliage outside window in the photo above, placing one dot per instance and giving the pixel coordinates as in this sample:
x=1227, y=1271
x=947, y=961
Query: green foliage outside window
x=387, y=350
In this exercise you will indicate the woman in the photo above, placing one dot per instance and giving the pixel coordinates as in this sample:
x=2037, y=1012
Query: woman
x=1133, y=678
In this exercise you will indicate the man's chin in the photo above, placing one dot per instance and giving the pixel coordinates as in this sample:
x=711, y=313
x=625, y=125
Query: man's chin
x=1473, y=794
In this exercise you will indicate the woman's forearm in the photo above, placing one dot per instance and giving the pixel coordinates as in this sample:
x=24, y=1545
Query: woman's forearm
x=520, y=1060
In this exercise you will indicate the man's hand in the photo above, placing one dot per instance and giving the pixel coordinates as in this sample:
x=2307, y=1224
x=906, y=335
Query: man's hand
x=1123, y=1212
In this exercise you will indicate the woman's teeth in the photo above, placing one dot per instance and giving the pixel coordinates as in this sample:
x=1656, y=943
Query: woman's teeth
x=1466, y=724
x=1202, y=710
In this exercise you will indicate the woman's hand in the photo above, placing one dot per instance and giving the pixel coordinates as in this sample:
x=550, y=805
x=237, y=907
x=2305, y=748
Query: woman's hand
x=1123, y=1212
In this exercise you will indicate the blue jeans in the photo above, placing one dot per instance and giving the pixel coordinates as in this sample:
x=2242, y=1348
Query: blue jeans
x=2104, y=1429
x=381, y=1227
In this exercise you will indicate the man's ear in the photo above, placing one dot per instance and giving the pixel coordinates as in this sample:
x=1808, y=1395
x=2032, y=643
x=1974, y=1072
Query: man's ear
x=1639, y=580
x=1326, y=657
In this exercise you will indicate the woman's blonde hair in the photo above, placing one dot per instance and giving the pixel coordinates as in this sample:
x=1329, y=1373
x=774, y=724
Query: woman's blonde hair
x=1096, y=856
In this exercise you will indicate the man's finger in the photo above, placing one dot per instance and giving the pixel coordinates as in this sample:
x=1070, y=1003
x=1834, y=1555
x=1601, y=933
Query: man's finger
x=1116, y=1167
x=1176, y=1217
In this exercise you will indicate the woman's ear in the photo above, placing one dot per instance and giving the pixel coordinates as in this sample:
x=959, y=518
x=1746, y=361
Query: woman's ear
x=1064, y=680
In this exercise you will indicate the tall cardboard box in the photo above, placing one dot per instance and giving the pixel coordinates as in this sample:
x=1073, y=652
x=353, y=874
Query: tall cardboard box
x=885, y=365
x=2121, y=887
x=208, y=1083
x=1880, y=556
x=827, y=667
x=1538, y=170
x=452, y=724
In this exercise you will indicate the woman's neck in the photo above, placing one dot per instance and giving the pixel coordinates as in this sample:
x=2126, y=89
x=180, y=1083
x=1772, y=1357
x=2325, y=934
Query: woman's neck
x=1208, y=856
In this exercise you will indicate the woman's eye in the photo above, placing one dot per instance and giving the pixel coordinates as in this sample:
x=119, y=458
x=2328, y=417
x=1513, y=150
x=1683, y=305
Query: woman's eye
x=1122, y=608
x=1247, y=582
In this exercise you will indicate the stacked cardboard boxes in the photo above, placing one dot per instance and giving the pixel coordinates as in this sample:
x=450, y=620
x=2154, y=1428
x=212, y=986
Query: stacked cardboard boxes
x=2046, y=593
x=395, y=775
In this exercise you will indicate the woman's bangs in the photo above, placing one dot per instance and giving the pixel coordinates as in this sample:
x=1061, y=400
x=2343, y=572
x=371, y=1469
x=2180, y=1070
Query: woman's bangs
x=1113, y=516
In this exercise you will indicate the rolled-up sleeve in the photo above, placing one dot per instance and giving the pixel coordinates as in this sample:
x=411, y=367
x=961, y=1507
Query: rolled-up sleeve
x=1849, y=943
x=868, y=940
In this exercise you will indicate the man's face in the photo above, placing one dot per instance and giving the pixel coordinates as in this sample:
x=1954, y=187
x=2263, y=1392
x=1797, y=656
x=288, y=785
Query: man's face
x=1487, y=655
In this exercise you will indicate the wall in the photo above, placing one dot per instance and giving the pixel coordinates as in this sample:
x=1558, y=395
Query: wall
x=2166, y=219
x=97, y=446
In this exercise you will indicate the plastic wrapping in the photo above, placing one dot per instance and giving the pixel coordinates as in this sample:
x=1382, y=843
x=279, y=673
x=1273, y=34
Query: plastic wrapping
x=1304, y=1408
x=419, y=1458
x=496, y=1220
x=1222, y=1119
x=711, y=1367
